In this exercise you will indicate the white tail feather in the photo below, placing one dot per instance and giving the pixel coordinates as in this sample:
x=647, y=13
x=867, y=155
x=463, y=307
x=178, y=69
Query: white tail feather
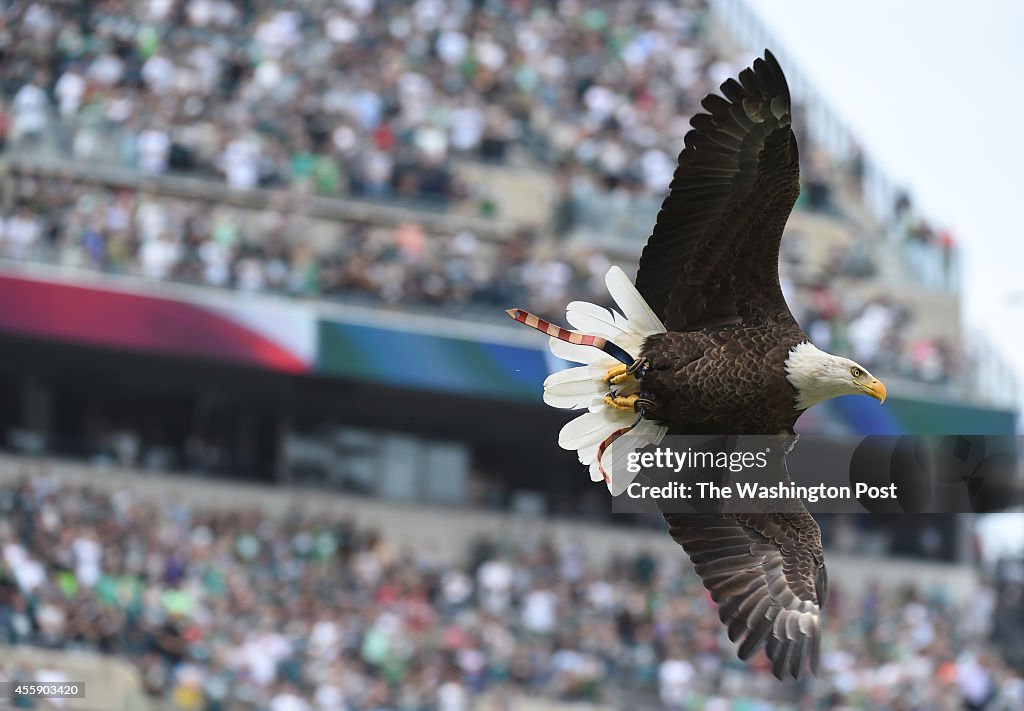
x=585, y=386
x=580, y=354
x=592, y=427
x=576, y=387
x=641, y=317
x=599, y=321
x=594, y=319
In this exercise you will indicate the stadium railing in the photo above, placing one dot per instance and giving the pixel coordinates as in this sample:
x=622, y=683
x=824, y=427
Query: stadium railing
x=332, y=208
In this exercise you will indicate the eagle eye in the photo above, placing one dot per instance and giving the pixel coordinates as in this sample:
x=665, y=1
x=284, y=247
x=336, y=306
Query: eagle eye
x=856, y=372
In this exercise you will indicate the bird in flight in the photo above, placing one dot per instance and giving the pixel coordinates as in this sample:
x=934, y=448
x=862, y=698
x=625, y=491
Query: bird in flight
x=704, y=343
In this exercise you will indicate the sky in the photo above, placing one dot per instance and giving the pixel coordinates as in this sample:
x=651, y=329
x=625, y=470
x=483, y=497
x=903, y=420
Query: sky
x=933, y=92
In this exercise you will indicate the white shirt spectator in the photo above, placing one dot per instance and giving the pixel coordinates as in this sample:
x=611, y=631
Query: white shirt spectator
x=428, y=13
x=200, y=12
x=539, y=611
x=657, y=169
x=216, y=260
x=158, y=257
x=70, y=89
x=29, y=108
x=279, y=32
x=452, y=696
x=158, y=71
x=414, y=94
x=456, y=587
x=600, y=101
x=207, y=66
x=601, y=594
x=340, y=29
x=467, y=127
x=154, y=149
x=249, y=274
x=21, y=234
x=288, y=701
x=494, y=579
x=107, y=69
x=152, y=218
x=451, y=46
x=28, y=572
x=973, y=680
x=490, y=54
x=261, y=652
x=367, y=106
x=329, y=697
x=866, y=332
x=240, y=163
x=118, y=217
x=51, y=619
x=360, y=8
x=325, y=638
x=377, y=167
x=674, y=677
x=432, y=142
x=158, y=10
x=39, y=21
x=87, y=560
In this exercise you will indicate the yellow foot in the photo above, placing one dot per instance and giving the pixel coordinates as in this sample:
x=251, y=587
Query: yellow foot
x=617, y=374
x=621, y=402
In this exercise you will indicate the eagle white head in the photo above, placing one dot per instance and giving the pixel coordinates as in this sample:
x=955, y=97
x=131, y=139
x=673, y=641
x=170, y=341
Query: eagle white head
x=819, y=376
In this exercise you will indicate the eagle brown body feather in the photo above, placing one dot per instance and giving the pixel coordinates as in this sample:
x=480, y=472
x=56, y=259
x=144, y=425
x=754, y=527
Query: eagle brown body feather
x=710, y=272
x=725, y=380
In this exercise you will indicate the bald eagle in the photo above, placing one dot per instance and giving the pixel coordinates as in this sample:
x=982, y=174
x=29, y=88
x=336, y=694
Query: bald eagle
x=713, y=349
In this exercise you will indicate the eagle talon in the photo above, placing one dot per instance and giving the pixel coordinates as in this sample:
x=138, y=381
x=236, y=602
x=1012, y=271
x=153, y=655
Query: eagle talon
x=617, y=375
x=621, y=402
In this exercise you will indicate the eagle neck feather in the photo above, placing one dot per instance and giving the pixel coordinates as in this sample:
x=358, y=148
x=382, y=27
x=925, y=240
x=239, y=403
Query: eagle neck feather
x=805, y=368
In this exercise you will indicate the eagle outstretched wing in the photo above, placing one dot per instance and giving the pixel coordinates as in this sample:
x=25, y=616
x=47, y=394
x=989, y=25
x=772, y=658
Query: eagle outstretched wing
x=766, y=573
x=761, y=559
x=713, y=256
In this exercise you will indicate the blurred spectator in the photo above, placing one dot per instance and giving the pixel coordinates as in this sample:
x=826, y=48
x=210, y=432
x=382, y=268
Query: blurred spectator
x=229, y=608
x=21, y=234
x=931, y=257
x=29, y=106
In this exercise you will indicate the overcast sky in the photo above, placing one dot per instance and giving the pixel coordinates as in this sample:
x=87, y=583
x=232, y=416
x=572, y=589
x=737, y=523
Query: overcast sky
x=934, y=91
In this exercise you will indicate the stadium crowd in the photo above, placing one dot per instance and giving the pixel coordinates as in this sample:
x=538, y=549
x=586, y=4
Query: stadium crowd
x=366, y=97
x=135, y=231
x=375, y=98
x=233, y=609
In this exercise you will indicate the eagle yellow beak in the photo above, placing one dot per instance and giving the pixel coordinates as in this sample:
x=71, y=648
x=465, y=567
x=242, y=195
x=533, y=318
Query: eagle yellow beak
x=876, y=389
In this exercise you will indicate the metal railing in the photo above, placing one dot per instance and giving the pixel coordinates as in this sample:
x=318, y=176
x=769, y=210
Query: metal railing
x=48, y=154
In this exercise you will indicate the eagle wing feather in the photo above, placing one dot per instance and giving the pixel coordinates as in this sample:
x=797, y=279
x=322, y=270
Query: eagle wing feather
x=766, y=573
x=712, y=258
